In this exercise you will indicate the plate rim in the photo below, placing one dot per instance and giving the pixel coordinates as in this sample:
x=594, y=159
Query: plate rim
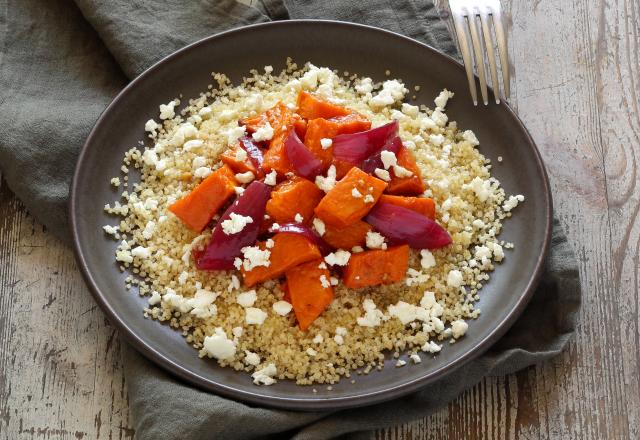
x=283, y=402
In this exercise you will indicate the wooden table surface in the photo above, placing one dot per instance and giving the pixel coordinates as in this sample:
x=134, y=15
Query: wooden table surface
x=576, y=85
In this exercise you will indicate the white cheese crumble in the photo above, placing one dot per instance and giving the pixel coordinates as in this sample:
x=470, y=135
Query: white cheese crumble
x=459, y=328
x=193, y=144
x=369, y=199
x=264, y=133
x=234, y=133
x=235, y=223
x=326, y=143
x=319, y=226
x=338, y=339
x=182, y=279
x=382, y=174
x=140, y=252
x=364, y=86
x=311, y=352
x=254, y=316
x=401, y=171
x=470, y=137
x=324, y=282
x=167, y=111
x=151, y=126
x=357, y=249
x=270, y=179
x=198, y=162
x=454, y=278
x=251, y=358
x=375, y=240
x=219, y=346
x=238, y=190
x=388, y=158
x=355, y=193
x=482, y=188
x=431, y=347
x=338, y=258
x=415, y=358
x=282, y=308
x=401, y=363
x=318, y=339
x=427, y=259
x=265, y=375
x=245, y=177
x=326, y=184
x=247, y=299
x=202, y=172
x=512, y=202
x=234, y=284
x=298, y=218
x=410, y=110
x=241, y=155
x=392, y=91
x=155, y=298
x=372, y=316
x=254, y=257
x=111, y=230
x=442, y=98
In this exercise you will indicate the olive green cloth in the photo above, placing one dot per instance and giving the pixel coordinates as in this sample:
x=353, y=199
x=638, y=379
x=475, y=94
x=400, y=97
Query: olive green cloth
x=62, y=61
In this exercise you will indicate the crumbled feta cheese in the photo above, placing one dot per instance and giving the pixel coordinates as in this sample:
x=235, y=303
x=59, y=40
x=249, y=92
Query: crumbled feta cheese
x=401, y=363
x=388, y=158
x=319, y=226
x=427, y=259
x=369, y=199
x=245, y=177
x=251, y=358
x=334, y=281
x=270, y=179
x=235, y=223
x=151, y=126
x=247, y=299
x=459, y=328
x=205, y=112
x=454, y=278
x=375, y=240
x=318, y=339
x=263, y=133
x=238, y=190
x=111, y=230
x=477, y=223
x=150, y=157
x=324, y=281
x=298, y=218
x=311, y=352
x=219, y=346
x=254, y=316
x=237, y=332
x=140, y=252
x=182, y=279
x=184, y=132
x=241, y=155
x=355, y=193
x=470, y=137
x=255, y=102
x=282, y=308
x=326, y=184
x=382, y=174
x=364, y=86
x=341, y=331
x=237, y=262
x=482, y=188
x=410, y=110
x=234, y=284
x=372, y=316
x=202, y=172
x=115, y=182
x=498, y=252
x=265, y=375
x=167, y=111
x=442, y=98
x=338, y=339
x=254, y=257
x=436, y=139
x=431, y=347
x=234, y=133
x=407, y=313
x=357, y=249
x=154, y=298
x=193, y=144
x=401, y=171
x=322, y=265
x=198, y=162
x=512, y=202
x=275, y=226
x=326, y=143
x=415, y=358
x=338, y=258
x=268, y=69
x=202, y=304
x=392, y=91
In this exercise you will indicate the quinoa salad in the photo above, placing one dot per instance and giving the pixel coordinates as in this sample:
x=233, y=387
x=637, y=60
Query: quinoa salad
x=302, y=224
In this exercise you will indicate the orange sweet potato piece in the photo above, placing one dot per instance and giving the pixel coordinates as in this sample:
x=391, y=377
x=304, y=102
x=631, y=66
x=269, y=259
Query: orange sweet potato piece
x=312, y=107
x=319, y=128
x=253, y=123
x=374, y=267
x=413, y=185
x=309, y=297
x=346, y=238
x=342, y=167
x=300, y=126
x=340, y=208
x=423, y=205
x=294, y=196
x=198, y=207
x=238, y=166
x=288, y=250
x=285, y=290
x=282, y=119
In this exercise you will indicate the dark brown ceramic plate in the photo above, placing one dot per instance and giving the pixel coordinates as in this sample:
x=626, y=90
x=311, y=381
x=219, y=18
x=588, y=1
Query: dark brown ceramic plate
x=370, y=52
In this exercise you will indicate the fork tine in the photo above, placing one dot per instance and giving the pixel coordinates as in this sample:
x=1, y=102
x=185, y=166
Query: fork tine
x=463, y=44
x=491, y=55
x=479, y=56
x=502, y=49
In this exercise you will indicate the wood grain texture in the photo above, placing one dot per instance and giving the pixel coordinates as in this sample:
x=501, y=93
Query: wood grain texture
x=576, y=85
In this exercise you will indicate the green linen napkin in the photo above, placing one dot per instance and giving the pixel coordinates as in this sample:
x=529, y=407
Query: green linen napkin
x=62, y=61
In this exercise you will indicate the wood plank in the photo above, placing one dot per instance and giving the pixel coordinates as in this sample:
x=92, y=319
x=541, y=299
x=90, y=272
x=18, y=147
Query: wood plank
x=60, y=367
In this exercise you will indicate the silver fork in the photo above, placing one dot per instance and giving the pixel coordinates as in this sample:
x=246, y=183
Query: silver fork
x=465, y=18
